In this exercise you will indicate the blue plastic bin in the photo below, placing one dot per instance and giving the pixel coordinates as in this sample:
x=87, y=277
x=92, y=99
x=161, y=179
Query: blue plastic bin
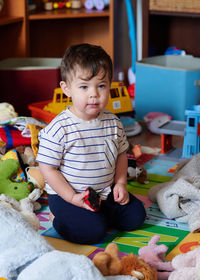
x=167, y=84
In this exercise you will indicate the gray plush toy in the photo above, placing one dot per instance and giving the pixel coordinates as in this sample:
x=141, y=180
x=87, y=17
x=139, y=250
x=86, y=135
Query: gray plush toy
x=25, y=254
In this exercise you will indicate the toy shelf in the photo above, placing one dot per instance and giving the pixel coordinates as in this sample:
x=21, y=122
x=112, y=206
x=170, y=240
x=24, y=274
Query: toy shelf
x=41, y=33
x=67, y=13
x=51, y=32
x=178, y=27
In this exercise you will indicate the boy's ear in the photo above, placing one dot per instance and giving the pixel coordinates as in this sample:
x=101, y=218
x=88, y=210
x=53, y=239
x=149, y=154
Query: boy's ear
x=65, y=88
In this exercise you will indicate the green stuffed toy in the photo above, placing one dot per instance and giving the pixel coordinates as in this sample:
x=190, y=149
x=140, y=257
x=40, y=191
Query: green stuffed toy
x=17, y=190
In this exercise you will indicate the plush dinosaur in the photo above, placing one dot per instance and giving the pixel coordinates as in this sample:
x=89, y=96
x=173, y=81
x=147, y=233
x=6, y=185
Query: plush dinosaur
x=17, y=190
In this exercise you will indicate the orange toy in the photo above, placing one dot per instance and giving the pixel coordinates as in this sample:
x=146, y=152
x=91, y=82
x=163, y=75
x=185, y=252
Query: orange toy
x=109, y=263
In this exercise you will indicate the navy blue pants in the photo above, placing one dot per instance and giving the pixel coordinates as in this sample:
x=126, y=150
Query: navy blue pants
x=83, y=226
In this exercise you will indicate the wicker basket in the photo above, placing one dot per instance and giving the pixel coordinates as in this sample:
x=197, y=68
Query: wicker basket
x=184, y=6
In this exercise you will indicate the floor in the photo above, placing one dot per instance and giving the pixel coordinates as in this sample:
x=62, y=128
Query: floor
x=147, y=138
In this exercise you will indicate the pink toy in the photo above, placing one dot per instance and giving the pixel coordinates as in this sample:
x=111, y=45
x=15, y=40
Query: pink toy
x=186, y=266
x=154, y=255
x=155, y=120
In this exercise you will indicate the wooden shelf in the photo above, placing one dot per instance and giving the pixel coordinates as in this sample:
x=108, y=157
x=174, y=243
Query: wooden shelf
x=171, y=28
x=67, y=13
x=78, y=25
x=175, y=14
x=47, y=34
x=39, y=33
x=10, y=20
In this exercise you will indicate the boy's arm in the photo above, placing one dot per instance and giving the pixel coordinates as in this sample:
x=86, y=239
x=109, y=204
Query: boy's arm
x=59, y=184
x=120, y=192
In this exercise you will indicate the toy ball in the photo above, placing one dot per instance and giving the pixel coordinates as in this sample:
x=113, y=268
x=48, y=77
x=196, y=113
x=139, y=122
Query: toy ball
x=55, y=5
x=68, y=4
x=60, y=5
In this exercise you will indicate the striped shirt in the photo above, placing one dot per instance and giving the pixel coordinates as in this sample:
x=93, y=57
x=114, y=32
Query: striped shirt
x=85, y=152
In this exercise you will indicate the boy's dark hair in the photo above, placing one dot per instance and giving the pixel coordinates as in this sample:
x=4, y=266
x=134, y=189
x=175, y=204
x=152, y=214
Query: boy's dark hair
x=86, y=56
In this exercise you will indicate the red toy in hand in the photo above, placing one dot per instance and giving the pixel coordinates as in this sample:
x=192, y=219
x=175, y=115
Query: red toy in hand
x=92, y=199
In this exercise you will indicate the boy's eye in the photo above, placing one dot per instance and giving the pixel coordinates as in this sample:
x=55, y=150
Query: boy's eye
x=101, y=86
x=83, y=87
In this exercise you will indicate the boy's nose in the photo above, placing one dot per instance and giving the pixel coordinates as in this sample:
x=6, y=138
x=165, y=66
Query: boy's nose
x=94, y=93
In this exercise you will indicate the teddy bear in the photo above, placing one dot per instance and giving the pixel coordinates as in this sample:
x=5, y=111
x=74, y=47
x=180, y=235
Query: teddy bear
x=186, y=266
x=154, y=255
x=109, y=263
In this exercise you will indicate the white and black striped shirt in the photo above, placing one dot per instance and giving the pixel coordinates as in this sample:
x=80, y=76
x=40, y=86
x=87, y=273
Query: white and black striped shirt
x=84, y=151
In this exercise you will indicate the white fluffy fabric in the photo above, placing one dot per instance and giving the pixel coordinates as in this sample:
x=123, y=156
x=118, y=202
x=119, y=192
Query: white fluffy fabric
x=20, y=244
x=186, y=266
x=26, y=255
x=180, y=198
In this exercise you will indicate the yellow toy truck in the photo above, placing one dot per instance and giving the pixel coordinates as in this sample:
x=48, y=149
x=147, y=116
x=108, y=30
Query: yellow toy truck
x=119, y=100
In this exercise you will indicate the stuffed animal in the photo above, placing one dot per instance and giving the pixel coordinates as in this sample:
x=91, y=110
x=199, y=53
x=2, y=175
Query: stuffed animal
x=34, y=176
x=19, y=176
x=27, y=170
x=27, y=155
x=7, y=111
x=186, y=266
x=17, y=190
x=136, y=173
x=25, y=206
x=154, y=255
x=25, y=254
x=109, y=263
x=132, y=265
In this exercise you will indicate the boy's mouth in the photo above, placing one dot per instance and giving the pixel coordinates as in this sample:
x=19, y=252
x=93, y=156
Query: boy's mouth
x=93, y=105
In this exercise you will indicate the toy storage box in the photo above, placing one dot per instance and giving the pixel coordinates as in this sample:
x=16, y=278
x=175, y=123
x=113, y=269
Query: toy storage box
x=167, y=84
x=27, y=80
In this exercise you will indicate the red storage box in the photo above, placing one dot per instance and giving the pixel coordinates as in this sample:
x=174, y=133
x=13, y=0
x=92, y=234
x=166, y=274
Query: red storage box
x=27, y=80
x=37, y=111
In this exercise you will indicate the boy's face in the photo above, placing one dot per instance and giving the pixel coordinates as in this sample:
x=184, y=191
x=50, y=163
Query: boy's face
x=89, y=97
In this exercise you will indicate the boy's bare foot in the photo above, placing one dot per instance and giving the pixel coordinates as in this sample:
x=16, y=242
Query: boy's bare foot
x=51, y=216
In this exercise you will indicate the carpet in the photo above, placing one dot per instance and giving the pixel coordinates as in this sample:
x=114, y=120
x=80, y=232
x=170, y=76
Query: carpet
x=173, y=234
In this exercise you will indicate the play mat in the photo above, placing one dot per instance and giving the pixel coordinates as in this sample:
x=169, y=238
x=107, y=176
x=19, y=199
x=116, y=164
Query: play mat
x=175, y=235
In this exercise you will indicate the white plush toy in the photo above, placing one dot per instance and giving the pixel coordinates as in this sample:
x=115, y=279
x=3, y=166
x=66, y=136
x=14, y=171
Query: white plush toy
x=25, y=206
x=7, y=111
x=186, y=266
x=26, y=255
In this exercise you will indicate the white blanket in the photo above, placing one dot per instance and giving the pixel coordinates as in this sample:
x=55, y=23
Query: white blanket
x=180, y=198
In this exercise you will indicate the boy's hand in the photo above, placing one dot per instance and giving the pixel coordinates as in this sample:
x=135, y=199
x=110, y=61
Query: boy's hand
x=78, y=200
x=120, y=194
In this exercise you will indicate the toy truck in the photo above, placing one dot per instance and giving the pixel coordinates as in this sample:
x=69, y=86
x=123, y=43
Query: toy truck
x=119, y=100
